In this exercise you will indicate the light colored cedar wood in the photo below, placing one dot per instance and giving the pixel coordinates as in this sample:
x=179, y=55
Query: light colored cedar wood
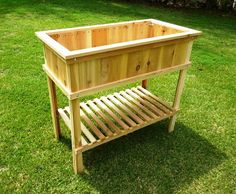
x=123, y=99
x=96, y=118
x=128, y=50
x=59, y=84
x=76, y=135
x=159, y=105
x=54, y=112
x=139, y=104
x=179, y=90
x=136, y=109
x=86, y=60
x=87, y=133
x=82, y=39
x=101, y=87
x=155, y=97
x=84, y=130
x=124, y=45
x=180, y=85
x=65, y=118
x=102, y=115
x=125, y=108
x=139, y=30
x=114, y=116
x=75, y=121
x=113, y=34
x=145, y=102
x=93, y=128
x=116, y=68
x=99, y=37
x=138, y=63
x=83, y=141
x=122, y=115
x=56, y=65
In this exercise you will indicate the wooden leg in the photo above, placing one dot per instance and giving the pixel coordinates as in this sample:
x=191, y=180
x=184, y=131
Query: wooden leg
x=178, y=93
x=76, y=135
x=77, y=162
x=54, y=112
x=145, y=83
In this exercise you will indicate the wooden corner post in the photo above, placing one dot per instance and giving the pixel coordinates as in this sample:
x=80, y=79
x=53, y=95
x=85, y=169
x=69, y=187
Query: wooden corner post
x=76, y=135
x=54, y=111
x=180, y=87
x=178, y=93
x=75, y=124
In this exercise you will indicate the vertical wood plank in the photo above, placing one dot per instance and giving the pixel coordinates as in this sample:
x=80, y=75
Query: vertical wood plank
x=155, y=59
x=123, y=68
x=168, y=55
x=99, y=37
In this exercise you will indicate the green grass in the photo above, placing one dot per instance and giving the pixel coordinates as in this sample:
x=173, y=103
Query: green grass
x=198, y=157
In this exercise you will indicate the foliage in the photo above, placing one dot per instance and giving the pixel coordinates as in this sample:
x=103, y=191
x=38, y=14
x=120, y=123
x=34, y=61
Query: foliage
x=209, y=4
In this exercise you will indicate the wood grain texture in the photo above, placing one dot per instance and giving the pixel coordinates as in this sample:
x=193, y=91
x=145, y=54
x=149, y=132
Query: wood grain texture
x=126, y=111
x=110, y=53
x=76, y=135
x=178, y=93
x=54, y=112
x=96, y=72
x=85, y=60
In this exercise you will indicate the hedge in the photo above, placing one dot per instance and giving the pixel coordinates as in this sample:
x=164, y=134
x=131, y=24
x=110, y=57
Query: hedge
x=207, y=4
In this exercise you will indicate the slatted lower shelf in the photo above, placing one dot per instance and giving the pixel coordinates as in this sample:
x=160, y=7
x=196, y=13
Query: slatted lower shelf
x=116, y=115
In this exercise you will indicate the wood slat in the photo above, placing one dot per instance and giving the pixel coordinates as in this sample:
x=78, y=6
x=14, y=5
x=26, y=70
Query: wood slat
x=131, y=129
x=102, y=115
x=91, y=125
x=155, y=97
x=67, y=122
x=95, y=117
x=85, y=131
x=114, y=116
x=144, y=102
x=151, y=100
x=124, y=116
x=128, y=97
x=64, y=117
x=132, y=106
x=126, y=109
x=83, y=141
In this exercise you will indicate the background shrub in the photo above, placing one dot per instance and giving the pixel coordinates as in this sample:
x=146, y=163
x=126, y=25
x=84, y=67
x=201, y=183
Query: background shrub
x=207, y=4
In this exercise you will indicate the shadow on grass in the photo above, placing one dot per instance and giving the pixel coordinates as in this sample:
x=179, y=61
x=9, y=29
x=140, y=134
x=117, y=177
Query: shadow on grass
x=151, y=161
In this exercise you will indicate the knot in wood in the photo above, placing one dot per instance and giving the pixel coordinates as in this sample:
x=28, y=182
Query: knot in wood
x=138, y=67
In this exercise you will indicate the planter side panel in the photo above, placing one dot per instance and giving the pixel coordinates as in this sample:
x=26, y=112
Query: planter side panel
x=56, y=65
x=119, y=67
x=81, y=39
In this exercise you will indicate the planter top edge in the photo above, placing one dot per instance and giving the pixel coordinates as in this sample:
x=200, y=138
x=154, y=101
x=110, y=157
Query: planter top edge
x=129, y=44
x=44, y=36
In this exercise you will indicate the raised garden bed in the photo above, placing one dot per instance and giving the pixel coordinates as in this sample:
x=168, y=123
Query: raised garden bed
x=85, y=60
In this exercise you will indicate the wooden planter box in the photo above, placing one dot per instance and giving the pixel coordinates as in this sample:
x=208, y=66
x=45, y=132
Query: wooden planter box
x=85, y=60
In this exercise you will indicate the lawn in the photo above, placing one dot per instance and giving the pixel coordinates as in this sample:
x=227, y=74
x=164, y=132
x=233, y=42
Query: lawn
x=198, y=157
